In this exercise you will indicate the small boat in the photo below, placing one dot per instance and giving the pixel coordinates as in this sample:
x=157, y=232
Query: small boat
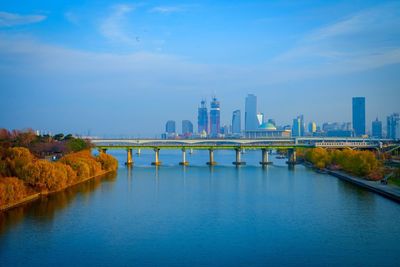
x=280, y=157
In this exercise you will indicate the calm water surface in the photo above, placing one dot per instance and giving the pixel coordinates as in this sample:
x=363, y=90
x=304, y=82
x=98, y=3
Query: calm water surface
x=202, y=216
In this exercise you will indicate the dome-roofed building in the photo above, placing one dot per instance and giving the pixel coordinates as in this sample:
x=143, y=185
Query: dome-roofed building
x=267, y=126
x=267, y=129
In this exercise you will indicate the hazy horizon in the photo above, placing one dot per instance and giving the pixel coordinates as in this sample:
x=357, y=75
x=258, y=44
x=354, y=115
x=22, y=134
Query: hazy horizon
x=125, y=68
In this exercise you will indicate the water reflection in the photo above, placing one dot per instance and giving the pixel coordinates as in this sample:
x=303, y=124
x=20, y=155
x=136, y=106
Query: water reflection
x=361, y=194
x=46, y=207
x=129, y=177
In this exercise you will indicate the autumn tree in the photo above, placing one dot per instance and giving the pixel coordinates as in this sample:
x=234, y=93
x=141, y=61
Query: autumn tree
x=108, y=162
x=11, y=190
x=16, y=159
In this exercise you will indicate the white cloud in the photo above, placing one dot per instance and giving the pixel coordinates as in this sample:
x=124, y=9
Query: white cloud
x=106, y=72
x=167, y=9
x=365, y=40
x=116, y=27
x=12, y=19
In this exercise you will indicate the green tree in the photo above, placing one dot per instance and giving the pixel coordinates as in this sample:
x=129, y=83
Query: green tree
x=76, y=144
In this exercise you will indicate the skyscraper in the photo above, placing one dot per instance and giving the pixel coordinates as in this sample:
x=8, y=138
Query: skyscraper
x=202, y=118
x=302, y=125
x=236, y=122
x=312, y=127
x=296, y=127
x=170, y=127
x=393, y=126
x=377, y=128
x=215, y=114
x=359, y=115
x=187, y=127
x=260, y=118
x=250, y=115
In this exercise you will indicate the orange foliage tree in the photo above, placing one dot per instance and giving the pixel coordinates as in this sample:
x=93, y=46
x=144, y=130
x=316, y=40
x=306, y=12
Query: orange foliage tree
x=359, y=163
x=30, y=174
x=108, y=162
x=11, y=190
x=84, y=163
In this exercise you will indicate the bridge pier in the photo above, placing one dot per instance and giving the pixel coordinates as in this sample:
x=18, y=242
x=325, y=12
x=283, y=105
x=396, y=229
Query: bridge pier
x=238, y=159
x=157, y=161
x=292, y=157
x=129, y=158
x=211, y=162
x=138, y=151
x=184, y=162
x=264, y=157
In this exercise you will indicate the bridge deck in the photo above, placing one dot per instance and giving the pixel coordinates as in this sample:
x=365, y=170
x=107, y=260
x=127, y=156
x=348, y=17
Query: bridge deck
x=273, y=143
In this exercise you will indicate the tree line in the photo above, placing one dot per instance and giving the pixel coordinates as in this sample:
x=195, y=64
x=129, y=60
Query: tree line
x=359, y=163
x=42, y=145
x=23, y=173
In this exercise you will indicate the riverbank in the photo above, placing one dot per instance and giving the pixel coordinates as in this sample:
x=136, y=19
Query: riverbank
x=388, y=191
x=36, y=196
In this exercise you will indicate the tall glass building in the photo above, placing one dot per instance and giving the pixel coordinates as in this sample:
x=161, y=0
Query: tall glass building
x=170, y=127
x=302, y=125
x=187, y=127
x=359, y=115
x=215, y=117
x=393, y=126
x=202, y=118
x=250, y=116
x=296, y=128
x=260, y=118
x=236, y=122
x=312, y=127
x=377, y=128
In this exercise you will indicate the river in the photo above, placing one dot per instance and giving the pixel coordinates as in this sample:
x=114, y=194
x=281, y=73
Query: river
x=204, y=216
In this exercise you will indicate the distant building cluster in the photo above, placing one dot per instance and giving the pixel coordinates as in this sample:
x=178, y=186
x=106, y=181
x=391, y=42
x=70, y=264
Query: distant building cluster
x=257, y=125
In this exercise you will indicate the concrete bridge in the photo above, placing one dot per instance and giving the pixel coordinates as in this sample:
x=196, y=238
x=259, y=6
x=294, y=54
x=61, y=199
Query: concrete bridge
x=238, y=145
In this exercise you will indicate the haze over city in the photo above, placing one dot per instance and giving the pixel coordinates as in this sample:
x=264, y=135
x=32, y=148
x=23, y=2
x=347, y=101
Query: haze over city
x=75, y=67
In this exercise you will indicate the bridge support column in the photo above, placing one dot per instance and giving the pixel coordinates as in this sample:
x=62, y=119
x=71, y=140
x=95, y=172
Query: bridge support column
x=184, y=162
x=157, y=161
x=292, y=157
x=138, y=151
x=129, y=158
x=211, y=162
x=264, y=157
x=238, y=161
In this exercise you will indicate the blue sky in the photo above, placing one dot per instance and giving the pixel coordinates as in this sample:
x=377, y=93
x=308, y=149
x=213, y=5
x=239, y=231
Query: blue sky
x=128, y=67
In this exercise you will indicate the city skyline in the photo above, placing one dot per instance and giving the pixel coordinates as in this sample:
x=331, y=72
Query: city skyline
x=78, y=68
x=255, y=120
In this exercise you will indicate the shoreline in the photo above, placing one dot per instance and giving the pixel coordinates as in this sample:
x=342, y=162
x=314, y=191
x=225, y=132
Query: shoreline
x=387, y=191
x=36, y=196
